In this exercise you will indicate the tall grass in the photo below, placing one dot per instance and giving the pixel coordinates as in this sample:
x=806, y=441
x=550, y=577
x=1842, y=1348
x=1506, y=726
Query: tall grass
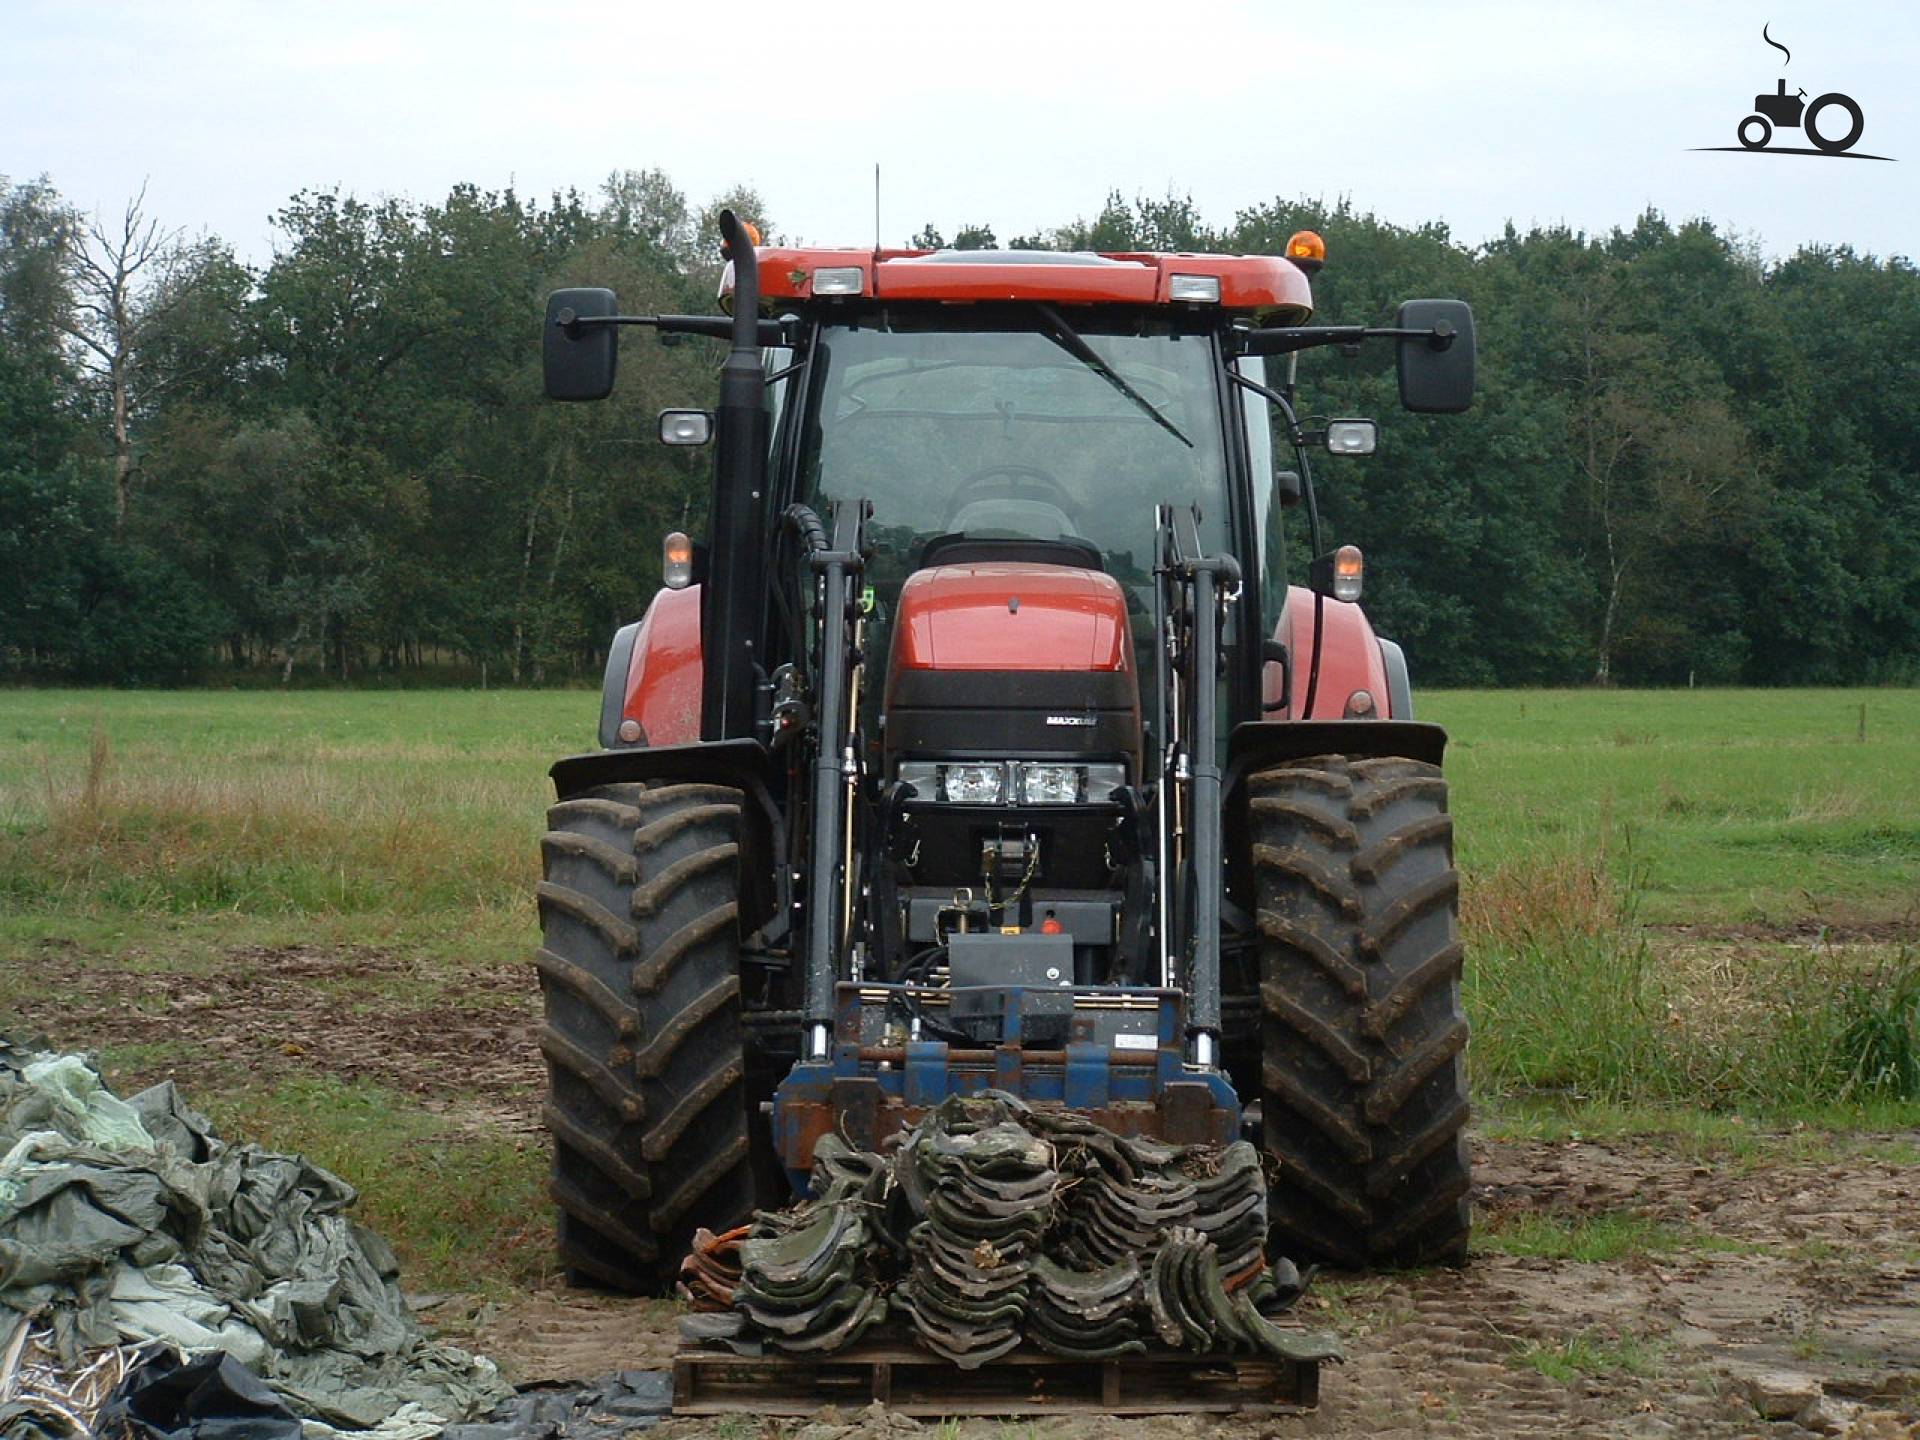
x=300, y=837
x=1571, y=999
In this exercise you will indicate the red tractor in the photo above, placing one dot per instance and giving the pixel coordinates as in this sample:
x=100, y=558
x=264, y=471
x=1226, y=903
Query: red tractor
x=982, y=744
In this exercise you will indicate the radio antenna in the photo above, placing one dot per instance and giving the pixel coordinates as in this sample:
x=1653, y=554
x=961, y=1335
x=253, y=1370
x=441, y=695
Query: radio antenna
x=876, y=209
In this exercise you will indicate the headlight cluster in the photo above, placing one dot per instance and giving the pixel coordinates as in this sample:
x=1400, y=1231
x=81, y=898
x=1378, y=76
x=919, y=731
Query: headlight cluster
x=1012, y=782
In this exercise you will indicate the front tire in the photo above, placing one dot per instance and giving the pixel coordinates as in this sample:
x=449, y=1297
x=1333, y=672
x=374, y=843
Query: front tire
x=639, y=975
x=1364, y=1096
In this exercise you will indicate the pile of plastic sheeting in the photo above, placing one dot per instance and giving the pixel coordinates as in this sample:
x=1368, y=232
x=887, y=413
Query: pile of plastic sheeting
x=993, y=1224
x=129, y=1223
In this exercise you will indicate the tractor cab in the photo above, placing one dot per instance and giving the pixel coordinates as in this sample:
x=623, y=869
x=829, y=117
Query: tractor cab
x=988, y=424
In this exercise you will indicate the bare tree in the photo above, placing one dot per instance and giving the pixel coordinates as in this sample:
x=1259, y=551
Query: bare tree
x=1661, y=458
x=127, y=282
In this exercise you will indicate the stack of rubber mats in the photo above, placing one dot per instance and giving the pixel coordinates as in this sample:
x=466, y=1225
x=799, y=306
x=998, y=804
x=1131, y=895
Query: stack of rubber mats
x=980, y=1195
x=1086, y=1314
x=1128, y=1193
x=992, y=1224
x=710, y=1273
x=1192, y=1308
x=808, y=1281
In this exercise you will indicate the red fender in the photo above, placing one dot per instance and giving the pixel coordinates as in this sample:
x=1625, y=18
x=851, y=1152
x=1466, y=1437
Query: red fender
x=664, y=676
x=1349, y=659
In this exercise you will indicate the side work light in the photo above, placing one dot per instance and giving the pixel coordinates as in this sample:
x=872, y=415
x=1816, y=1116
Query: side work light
x=1352, y=437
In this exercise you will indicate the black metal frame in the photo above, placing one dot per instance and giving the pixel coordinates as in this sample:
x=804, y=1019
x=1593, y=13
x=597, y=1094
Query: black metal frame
x=1196, y=591
x=836, y=762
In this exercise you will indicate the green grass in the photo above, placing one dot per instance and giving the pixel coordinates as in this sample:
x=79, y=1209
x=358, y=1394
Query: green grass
x=457, y=1208
x=387, y=803
x=1588, y=1354
x=1576, y=1003
x=1732, y=806
x=1595, y=1238
x=1816, y=1134
x=1738, y=805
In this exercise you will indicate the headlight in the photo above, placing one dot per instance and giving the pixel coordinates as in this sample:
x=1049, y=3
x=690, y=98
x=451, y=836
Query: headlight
x=1015, y=782
x=973, y=784
x=1050, y=784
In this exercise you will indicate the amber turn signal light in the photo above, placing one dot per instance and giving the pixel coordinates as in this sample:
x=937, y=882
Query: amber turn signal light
x=676, y=561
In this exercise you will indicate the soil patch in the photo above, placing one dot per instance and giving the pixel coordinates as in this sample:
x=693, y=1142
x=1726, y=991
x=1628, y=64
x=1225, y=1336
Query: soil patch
x=1656, y=1345
x=461, y=1041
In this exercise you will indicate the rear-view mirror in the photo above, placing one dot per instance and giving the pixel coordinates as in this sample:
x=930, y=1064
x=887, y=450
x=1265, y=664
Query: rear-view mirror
x=1436, y=367
x=579, y=360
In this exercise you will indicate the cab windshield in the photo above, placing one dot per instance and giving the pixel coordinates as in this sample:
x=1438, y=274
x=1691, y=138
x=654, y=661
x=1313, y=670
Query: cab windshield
x=1031, y=423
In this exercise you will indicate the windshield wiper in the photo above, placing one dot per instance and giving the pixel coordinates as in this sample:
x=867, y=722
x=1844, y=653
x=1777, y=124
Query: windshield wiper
x=1064, y=335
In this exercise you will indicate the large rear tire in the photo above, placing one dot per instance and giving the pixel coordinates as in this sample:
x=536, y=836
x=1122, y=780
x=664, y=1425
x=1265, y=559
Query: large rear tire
x=639, y=973
x=1364, y=1095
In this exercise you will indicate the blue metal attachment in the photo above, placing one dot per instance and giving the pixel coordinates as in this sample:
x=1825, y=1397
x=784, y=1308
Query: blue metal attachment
x=1122, y=1063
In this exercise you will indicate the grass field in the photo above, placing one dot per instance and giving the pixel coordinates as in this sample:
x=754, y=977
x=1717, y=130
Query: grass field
x=1685, y=910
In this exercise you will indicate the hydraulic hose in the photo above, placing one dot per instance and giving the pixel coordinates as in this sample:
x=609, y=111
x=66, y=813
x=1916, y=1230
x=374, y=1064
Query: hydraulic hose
x=804, y=523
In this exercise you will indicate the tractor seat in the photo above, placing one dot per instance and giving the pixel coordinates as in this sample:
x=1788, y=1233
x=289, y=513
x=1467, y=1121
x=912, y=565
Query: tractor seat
x=1039, y=518
x=961, y=548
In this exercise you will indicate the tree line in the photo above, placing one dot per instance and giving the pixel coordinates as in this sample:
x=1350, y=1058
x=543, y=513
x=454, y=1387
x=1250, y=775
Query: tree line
x=1686, y=463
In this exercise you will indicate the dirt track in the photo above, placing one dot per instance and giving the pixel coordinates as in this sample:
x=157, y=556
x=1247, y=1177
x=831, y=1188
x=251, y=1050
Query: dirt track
x=1767, y=1264
x=1442, y=1353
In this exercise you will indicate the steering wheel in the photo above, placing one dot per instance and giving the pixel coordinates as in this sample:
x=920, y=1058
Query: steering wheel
x=1012, y=482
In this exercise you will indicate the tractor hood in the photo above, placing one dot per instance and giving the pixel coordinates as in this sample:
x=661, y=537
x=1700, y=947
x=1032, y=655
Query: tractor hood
x=1011, y=615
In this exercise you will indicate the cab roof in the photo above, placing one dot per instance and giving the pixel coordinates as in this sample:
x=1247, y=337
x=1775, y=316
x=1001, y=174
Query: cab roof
x=1258, y=285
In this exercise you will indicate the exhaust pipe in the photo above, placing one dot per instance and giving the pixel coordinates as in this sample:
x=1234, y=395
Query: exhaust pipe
x=731, y=596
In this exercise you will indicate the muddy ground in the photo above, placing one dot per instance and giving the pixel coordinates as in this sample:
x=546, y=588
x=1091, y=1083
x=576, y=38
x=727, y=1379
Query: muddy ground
x=1764, y=1263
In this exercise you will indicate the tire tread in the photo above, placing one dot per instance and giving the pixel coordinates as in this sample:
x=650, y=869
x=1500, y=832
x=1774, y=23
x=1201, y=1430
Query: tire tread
x=639, y=975
x=1363, y=1076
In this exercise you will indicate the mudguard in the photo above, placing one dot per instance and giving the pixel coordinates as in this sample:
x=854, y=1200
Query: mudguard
x=1350, y=659
x=1260, y=743
x=653, y=674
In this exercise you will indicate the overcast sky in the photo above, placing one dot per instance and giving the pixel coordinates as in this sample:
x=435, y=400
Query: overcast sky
x=1017, y=115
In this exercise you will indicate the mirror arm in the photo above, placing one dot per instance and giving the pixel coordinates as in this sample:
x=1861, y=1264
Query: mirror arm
x=1294, y=433
x=717, y=327
x=1284, y=341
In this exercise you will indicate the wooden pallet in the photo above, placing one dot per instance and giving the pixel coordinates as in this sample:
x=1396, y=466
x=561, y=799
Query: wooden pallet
x=1027, y=1382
